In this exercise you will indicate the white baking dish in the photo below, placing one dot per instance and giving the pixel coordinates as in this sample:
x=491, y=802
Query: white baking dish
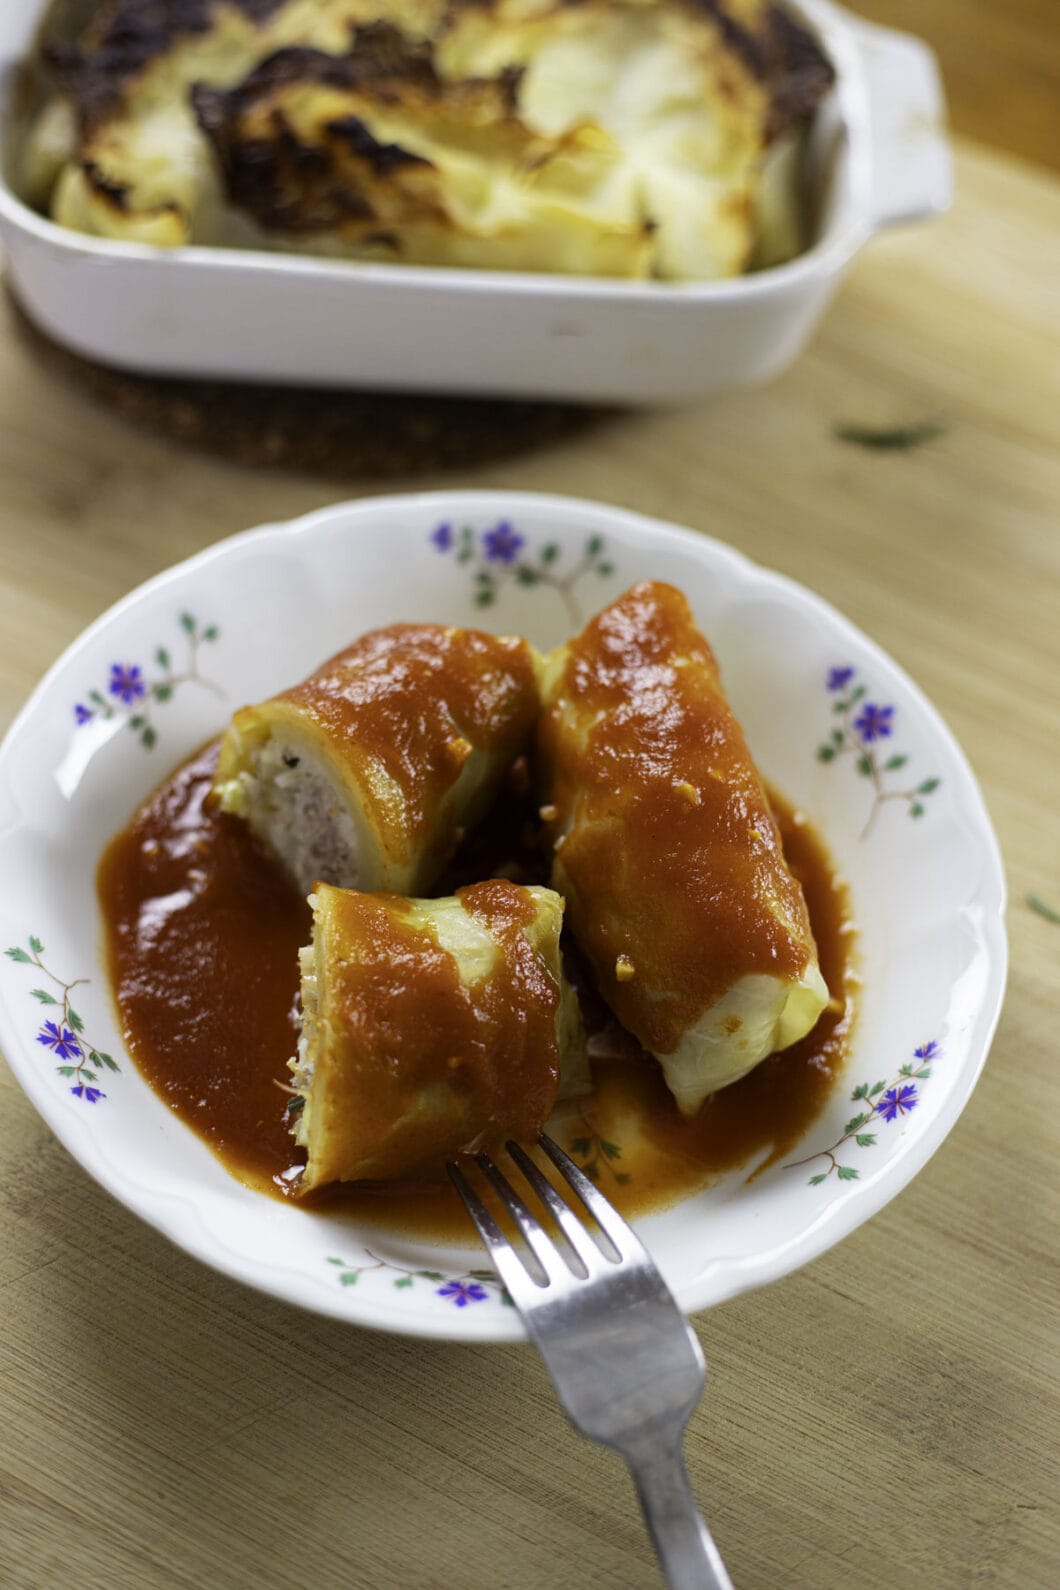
x=878, y=150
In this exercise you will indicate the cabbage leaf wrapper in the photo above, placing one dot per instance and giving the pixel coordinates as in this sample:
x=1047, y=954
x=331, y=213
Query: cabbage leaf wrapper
x=666, y=850
x=367, y=773
x=431, y=1028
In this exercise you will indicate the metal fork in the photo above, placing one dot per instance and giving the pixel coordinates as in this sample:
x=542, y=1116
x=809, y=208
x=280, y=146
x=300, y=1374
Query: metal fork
x=624, y=1361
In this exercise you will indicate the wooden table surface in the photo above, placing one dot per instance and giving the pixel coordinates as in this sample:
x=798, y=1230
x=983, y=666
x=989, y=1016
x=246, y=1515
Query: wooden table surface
x=885, y=1418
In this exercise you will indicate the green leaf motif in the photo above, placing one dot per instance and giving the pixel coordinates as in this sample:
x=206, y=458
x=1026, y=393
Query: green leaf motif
x=612, y=1150
x=847, y=1173
x=861, y=1091
x=36, y=946
x=506, y=1299
x=550, y=553
x=864, y=765
x=815, y=1181
x=17, y=954
x=75, y=1020
x=857, y=693
x=43, y=995
x=148, y=738
x=430, y=1275
x=187, y=623
x=916, y=810
x=483, y=598
x=349, y=1277
x=877, y=1087
x=594, y=546
x=525, y=575
x=211, y=632
x=99, y=1058
x=1034, y=901
x=66, y=1071
x=825, y=753
x=162, y=657
x=88, y=1076
x=136, y=721
x=482, y=1275
x=336, y=1261
x=929, y=786
x=163, y=692
x=893, y=763
x=579, y=1145
x=403, y=1282
x=865, y=1139
x=605, y=569
x=852, y=1125
x=622, y=1177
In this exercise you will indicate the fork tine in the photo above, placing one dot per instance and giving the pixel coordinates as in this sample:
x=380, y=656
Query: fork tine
x=607, y=1218
x=568, y=1222
x=511, y=1269
x=537, y=1238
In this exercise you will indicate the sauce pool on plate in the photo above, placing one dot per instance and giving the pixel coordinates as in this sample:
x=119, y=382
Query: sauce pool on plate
x=203, y=931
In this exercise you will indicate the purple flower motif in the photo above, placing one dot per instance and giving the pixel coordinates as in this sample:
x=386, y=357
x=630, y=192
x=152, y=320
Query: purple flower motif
x=127, y=682
x=90, y=1095
x=83, y=714
x=61, y=1040
x=839, y=677
x=928, y=1051
x=463, y=1292
x=502, y=543
x=443, y=537
x=873, y=722
x=897, y=1101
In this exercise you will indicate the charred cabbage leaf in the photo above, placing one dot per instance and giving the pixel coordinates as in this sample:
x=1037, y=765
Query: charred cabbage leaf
x=605, y=137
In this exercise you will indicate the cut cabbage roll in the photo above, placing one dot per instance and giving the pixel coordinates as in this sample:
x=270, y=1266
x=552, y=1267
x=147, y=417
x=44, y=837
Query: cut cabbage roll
x=666, y=849
x=430, y=1028
x=366, y=774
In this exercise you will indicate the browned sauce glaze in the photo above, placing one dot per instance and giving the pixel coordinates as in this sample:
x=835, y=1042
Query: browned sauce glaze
x=203, y=933
x=666, y=848
x=396, y=1023
x=416, y=699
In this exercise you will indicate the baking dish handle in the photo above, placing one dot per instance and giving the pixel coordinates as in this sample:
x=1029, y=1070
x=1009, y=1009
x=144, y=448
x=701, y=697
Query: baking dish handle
x=912, y=172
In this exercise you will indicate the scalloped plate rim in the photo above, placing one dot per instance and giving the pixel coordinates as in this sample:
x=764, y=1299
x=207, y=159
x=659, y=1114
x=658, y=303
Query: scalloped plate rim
x=161, y=1208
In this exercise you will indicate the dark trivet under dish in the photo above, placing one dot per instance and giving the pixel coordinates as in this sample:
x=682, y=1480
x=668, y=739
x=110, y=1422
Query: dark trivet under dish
x=345, y=435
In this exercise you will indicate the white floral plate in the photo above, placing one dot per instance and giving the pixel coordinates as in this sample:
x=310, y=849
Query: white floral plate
x=831, y=720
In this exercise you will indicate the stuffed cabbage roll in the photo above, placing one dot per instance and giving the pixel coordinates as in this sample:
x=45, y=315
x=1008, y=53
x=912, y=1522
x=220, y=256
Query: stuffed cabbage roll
x=366, y=773
x=666, y=849
x=630, y=138
x=430, y=1027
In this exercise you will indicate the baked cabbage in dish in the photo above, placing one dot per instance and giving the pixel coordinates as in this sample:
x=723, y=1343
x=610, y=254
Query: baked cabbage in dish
x=666, y=850
x=430, y=1028
x=626, y=138
x=366, y=774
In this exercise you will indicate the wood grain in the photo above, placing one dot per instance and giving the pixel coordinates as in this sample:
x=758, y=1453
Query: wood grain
x=885, y=1418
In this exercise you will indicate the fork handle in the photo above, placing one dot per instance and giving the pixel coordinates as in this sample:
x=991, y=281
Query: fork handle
x=687, y=1555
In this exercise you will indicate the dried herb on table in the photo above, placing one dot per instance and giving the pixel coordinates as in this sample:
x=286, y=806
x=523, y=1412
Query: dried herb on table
x=890, y=439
